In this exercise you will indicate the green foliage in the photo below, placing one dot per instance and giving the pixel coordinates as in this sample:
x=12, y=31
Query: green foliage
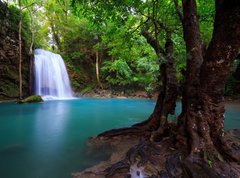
x=9, y=89
x=81, y=29
x=210, y=163
x=219, y=157
x=75, y=84
x=13, y=17
x=88, y=88
x=117, y=72
x=26, y=28
x=206, y=12
x=148, y=72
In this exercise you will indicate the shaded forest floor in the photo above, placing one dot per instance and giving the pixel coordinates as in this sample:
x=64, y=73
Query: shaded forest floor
x=107, y=93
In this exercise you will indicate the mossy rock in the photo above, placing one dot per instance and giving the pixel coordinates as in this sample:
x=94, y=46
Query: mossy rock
x=31, y=99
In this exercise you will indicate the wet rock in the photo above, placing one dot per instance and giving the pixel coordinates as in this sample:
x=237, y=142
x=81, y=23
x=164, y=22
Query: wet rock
x=31, y=99
x=9, y=58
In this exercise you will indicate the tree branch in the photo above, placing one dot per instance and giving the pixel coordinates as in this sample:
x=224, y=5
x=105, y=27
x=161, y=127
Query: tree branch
x=158, y=49
x=25, y=7
x=146, y=21
x=178, y=10
x=162, y=26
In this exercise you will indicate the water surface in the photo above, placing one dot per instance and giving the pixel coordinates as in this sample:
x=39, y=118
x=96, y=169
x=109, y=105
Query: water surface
x=48, y=140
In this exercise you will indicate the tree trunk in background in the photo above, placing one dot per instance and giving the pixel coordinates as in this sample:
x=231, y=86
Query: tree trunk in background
x=168, y=94
x=32, y=33
x=97, y=70
x=20, y=54
x=31, y=75
x=168, y=91
x=56, y=38
x=31, y=58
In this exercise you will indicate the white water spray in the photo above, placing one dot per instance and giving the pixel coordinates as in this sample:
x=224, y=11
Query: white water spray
x=137, y=172
x=51, y=77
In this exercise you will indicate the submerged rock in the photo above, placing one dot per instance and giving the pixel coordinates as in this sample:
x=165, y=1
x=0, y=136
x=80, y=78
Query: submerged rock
x=31, y=99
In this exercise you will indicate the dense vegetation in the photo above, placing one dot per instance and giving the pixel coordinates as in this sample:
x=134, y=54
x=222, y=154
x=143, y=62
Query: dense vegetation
x=187, y=50
x=109, y=46
x=197, y=145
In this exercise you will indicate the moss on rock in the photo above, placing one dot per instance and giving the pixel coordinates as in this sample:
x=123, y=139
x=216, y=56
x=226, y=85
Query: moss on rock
x=31, y=99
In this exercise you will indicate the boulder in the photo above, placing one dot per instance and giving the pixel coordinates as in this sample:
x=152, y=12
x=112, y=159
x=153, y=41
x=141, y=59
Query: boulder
x=31, y=99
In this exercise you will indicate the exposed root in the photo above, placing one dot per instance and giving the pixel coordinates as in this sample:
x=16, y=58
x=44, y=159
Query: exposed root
x=194, y=166
x=229, y=147
x=165, y=159
x=119, y=166
x=137, y=131
x=143, y=129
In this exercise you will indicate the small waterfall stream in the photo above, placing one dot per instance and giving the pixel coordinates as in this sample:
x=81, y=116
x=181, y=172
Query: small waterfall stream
x=51, y=77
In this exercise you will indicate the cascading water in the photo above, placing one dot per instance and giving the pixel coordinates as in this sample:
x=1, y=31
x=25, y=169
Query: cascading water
x=51, y=77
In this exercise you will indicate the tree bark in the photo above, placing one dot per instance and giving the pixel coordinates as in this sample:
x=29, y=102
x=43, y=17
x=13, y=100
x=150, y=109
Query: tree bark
x=194, y=52
x=31, y=75
x=222, y=50
x=20, y=54
x=31, y=58
x=32, y=33
x=56, y=38
x=168, y=94
x=202, y=117
x=97, y=69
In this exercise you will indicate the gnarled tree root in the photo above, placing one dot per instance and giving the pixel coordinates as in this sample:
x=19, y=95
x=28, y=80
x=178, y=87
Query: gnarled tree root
x=164, y=159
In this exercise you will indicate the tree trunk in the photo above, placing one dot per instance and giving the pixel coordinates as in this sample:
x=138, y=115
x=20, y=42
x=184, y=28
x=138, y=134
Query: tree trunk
x=97, y=70
x=32, y=33
x=31, y=55
x=168, y=94
x=215, y=70
x=191, y=86
x=202, y=118
x=56, y=38
x=20, y=55
x=31, y=75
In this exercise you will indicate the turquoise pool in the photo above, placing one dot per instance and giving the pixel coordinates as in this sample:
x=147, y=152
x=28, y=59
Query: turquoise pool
x=48, y=140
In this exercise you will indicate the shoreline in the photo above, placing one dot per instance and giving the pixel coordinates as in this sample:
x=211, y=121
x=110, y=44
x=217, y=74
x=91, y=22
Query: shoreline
x=131, y=94
x=103, y=93
x=228, y=99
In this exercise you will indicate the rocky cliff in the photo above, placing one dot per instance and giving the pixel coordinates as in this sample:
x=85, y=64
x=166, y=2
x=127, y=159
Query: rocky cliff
x=9, y=61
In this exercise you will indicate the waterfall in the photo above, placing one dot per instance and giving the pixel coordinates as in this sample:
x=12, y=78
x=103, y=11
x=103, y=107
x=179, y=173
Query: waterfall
x=51, y=77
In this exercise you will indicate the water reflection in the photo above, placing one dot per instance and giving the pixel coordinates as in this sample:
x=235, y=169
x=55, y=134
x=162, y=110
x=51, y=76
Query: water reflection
x=49, y=139
x=49, y=131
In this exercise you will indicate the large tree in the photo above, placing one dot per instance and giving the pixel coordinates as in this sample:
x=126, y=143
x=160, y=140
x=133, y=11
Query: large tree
x=199, y=145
